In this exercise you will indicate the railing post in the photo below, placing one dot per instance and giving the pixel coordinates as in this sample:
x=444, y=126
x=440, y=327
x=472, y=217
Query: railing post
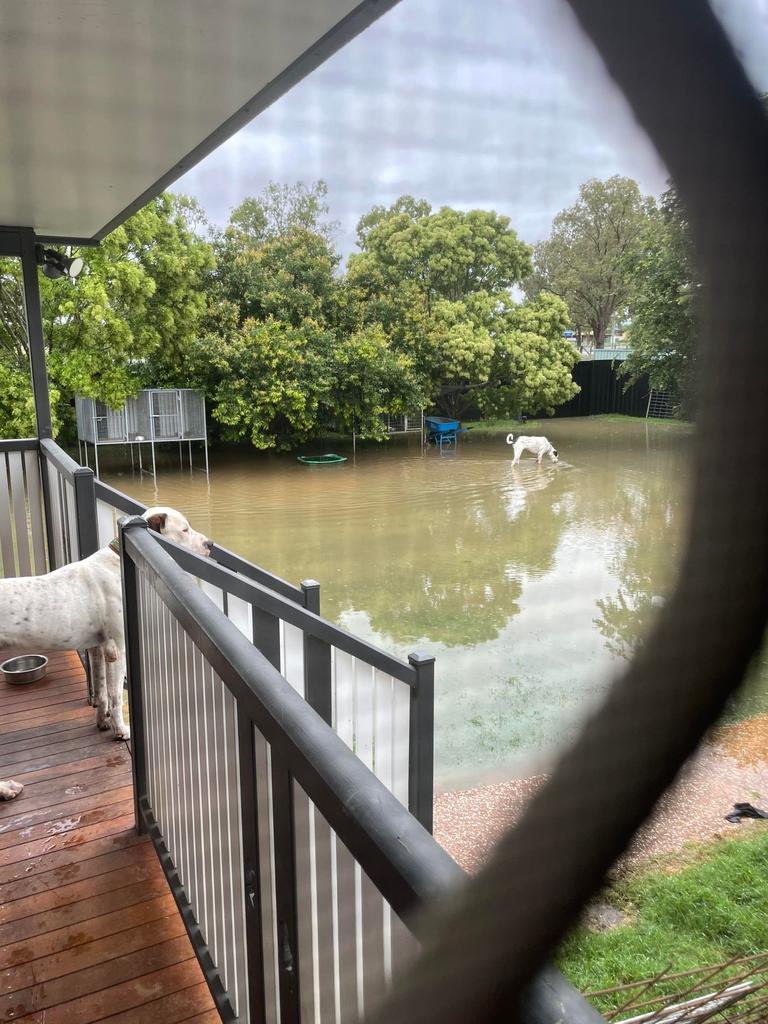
x=132, y=628
x=317, y=660
x=34, y=317
x=251, y=867
x=45, y=483
x=266, y=638
x=285, y=892
x=266, y=635
x=421, y=747
x=85, y=509
x=311, y=591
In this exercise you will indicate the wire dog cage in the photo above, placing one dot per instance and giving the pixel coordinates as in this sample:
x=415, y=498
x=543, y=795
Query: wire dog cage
x=155, y=415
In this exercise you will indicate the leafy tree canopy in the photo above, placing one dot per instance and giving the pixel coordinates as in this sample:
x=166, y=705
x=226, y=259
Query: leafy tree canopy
x=140, y=291
x=664, y=287
x=440, y=285
x=586, y=259
x=444, y=255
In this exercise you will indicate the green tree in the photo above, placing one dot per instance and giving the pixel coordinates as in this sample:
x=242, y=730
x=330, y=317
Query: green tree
x=266, y=379
x=285, y=354
x=664, y=287
x=282, y=209
x=444, y=255
x=289, y=277
x=586, y=259
x=368, y=379
x=532, y=366
x=440, y=284
x=139, y=292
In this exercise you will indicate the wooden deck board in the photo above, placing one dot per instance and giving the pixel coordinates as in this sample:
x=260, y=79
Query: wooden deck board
x=88, y=927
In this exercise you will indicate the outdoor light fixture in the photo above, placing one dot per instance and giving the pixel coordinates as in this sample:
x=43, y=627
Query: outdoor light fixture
x=56, y=264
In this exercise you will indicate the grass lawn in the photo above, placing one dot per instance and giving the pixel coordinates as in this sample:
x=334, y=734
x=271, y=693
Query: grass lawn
x=692, y=909
x=515, y=426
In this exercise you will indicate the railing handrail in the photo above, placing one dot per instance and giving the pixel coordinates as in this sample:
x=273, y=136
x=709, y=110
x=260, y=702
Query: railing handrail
x=19, y=444
x=407, y=865
x=111, y=495
x=267, y=600
x=131, y=507
x=64, y=463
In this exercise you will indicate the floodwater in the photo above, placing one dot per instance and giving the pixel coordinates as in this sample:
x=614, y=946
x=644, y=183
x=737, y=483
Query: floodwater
x=529, y=584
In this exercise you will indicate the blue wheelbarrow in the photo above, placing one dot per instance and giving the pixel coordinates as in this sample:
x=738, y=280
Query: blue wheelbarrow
x=441, y=431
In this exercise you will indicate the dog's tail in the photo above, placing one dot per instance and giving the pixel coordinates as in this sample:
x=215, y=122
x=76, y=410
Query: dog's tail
x=510, y=438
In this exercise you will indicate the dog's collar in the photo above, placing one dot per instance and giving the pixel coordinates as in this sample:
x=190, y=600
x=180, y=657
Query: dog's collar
x=114, y=545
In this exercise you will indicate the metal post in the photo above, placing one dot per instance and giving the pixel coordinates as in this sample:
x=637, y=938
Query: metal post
x=266, y=635
x=311, y=591
x=266, y=638
x=96, y=456
x=154, y=467
x=318, y=690
x=205, y=449
x=50, y=533
x=38, y=371
x=132, y=628
x=85, y=509
x=251, y=867
x=35, y=333
x=285, y=892
x=421, y=746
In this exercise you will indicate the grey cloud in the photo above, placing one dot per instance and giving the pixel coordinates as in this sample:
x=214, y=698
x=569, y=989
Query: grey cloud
x=487, y=104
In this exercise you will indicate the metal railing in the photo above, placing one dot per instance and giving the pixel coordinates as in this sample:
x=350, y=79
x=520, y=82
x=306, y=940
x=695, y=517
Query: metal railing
x=297, y=871
x=22, y=523
x=382, y=707
x=70, y=506
x=279, y=840
x=111, y=504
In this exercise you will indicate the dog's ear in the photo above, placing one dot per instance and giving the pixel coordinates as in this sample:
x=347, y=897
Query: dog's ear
x=157, y=522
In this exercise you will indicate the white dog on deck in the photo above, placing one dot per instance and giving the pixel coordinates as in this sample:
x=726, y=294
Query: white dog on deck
x=538, y=446
x=80, y=607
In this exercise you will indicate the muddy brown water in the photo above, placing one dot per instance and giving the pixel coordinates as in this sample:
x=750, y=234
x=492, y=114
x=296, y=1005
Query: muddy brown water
x=529, y=584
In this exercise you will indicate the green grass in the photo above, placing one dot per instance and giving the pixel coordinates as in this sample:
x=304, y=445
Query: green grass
x=617, y=417
x=507, y=425
x=501, y=426
x=698, y=908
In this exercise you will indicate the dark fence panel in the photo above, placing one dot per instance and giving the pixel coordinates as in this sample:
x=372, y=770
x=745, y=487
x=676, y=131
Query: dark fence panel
x=602, y=391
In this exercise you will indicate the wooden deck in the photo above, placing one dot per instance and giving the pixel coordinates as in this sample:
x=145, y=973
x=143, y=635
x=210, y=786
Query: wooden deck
x=89, y=929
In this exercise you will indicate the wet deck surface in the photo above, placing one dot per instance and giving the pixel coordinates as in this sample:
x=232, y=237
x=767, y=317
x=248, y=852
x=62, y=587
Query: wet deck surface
x=89, y=929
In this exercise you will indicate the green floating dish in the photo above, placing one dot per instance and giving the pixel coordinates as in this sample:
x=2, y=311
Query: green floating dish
x=321, y=460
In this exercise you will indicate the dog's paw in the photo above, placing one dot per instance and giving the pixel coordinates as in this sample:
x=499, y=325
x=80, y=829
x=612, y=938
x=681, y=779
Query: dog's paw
x=103, y=720
x=10, y=789
x=122, y=733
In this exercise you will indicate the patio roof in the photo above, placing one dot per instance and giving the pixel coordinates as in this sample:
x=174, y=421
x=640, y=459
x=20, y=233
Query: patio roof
x=103, y=103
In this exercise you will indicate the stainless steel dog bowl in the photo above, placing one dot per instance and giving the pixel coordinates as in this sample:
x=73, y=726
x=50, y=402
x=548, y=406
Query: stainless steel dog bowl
x=27, y=668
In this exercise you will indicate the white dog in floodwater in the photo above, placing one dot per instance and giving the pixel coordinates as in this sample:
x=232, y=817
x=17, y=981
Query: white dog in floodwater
x=538, y=446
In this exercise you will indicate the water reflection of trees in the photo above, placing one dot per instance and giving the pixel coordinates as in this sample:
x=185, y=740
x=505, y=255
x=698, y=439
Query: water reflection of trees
x=646, y=562
x=454, y=570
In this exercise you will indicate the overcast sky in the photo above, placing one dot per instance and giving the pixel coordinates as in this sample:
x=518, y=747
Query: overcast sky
x=496, y=103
